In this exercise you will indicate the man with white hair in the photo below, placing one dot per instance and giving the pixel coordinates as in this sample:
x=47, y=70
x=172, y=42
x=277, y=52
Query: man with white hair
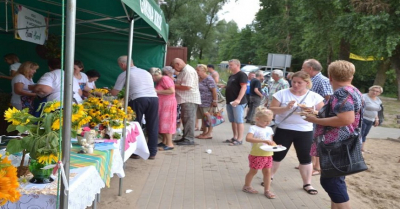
x=142, y=99
x=188, y=96
x=276, y=85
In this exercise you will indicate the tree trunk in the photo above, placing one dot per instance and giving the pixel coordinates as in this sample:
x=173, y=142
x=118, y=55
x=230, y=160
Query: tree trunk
x=395, y=60
x=344, y=53
x=380, y=77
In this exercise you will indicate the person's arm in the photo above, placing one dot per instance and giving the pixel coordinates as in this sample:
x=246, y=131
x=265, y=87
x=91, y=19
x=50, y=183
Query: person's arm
x=242, y=91
x=327, y=97
x=43, y=90
x=13, y=73
x=114, y=92
x=250, y=138
x=215, y=97
x=167, y=91
x=19, y=89
x=182, y=88
x=80, y=92
x=216, y=77
x=276, y=106
x=6, y=77
x=341, y=119
x=258, y=92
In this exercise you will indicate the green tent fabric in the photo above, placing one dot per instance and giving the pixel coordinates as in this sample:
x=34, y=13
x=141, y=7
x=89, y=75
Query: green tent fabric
x=102, y=30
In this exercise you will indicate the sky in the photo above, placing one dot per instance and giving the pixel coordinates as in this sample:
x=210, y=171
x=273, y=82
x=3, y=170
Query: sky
x=242, y=12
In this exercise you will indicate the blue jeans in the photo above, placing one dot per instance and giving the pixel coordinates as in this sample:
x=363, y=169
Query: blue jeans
x=148, y=106
x=366, y=127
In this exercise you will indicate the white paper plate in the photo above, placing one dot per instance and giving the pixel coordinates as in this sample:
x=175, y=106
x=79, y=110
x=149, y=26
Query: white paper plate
x=269, y=148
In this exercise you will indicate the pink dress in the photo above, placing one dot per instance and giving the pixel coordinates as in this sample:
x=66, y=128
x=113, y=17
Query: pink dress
x=166, y=107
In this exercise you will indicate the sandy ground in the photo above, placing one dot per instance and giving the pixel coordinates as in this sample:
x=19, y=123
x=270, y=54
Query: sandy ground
x=379, y=186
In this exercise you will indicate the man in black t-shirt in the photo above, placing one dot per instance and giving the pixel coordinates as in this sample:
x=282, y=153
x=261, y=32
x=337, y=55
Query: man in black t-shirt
x=255, y=96
x=236, y=101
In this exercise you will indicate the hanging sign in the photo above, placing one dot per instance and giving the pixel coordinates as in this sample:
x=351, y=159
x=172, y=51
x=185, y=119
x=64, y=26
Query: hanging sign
x=31, y=26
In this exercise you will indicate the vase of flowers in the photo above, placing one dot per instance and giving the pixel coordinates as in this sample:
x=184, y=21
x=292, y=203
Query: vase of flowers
x=43, y=138
x=40, y=175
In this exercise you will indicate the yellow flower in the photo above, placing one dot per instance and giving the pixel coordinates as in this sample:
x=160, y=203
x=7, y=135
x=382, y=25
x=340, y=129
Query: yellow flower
x=8, y=182
x=47, y=159
x=10, y=112
x=56, y=125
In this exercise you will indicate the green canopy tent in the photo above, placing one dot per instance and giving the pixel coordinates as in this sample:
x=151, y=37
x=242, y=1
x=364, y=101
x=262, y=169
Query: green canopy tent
x=96, y=32
x=102, y=30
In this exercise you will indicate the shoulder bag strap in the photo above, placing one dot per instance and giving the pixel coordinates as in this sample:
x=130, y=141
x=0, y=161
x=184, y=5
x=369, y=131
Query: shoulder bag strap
x=277, y=124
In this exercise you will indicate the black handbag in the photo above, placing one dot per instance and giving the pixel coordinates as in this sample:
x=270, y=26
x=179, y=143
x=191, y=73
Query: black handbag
x=341, y=158
x=380, y=115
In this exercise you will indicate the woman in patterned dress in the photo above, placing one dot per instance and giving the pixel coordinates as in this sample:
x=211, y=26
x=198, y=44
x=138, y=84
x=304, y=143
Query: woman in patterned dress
x=165, y=89
x=345, y=106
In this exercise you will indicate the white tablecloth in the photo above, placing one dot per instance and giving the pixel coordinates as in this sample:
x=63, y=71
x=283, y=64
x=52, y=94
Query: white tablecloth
x=139, y=147
x=85, y=184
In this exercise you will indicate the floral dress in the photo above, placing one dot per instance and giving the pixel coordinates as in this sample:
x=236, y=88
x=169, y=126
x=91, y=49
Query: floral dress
x=167, y=107
x=344, y=99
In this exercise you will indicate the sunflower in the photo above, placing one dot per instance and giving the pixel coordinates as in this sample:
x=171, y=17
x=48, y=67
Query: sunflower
x=11, y=115
x=47, y=159
x=56, y=125
x=8, y=182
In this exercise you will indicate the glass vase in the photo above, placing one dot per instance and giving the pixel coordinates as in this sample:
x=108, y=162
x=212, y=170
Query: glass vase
x=40, y=176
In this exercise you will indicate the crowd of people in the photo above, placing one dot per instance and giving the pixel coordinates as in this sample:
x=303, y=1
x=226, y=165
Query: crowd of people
x=180, y=94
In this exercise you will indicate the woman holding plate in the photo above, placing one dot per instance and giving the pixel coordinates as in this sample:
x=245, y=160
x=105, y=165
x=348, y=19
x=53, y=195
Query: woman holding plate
x=292, y=128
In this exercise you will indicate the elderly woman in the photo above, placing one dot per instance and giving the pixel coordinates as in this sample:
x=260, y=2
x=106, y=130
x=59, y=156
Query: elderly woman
x=209, y=98
x=371, y=108
x=345, y=106
x=291, y=128
x=276, y=85
x=165, y=89
x=22, y=96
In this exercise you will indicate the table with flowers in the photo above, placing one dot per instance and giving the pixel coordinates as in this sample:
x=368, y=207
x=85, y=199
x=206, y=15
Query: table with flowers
x=90, y=171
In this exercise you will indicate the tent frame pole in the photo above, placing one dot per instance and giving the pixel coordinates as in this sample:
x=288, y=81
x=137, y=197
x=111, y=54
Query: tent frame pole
x=67, y=106
x=128, y=67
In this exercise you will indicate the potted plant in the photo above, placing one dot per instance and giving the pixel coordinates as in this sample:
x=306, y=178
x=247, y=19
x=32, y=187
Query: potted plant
x=42, y=135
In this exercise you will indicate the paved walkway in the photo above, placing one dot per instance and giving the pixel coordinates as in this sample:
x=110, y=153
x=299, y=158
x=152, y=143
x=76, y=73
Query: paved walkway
x=188, y=177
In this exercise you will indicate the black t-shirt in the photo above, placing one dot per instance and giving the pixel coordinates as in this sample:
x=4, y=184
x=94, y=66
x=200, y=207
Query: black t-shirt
x=255, y=83
x=233, y=87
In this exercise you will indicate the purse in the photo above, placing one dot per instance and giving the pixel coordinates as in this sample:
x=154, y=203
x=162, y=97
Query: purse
x=380, y=115
x=341, y=158
x=214, y=117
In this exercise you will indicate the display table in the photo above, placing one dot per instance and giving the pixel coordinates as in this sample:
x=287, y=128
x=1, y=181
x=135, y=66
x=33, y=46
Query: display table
x=85, y=183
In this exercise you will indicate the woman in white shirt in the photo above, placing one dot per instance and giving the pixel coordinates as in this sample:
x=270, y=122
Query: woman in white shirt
x=81, y=77
x=294, y=129
x=371, y=108
x=22, y=97
x=13, y=61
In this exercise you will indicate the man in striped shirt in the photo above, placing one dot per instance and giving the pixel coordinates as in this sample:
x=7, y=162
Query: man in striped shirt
x=320, y=85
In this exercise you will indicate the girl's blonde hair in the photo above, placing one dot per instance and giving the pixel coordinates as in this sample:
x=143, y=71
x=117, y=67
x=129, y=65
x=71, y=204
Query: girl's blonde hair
x=26, y=67
x=262, y=112
x=376, y=87
x=305, y=76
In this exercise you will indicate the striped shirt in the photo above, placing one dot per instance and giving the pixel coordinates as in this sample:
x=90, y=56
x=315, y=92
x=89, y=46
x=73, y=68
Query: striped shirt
x=321, y=85
x=276, y=86
x=188, y=77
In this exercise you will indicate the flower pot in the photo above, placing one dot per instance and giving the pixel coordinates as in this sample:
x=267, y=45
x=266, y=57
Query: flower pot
x=40, y=176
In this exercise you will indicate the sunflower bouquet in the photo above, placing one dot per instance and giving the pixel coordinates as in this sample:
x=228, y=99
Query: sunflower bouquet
x=8, y=182
x=42, y=138
x=107, y=113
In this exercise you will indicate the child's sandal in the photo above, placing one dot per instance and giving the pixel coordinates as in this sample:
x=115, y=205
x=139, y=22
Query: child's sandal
x=269, y=194
x=249, y=190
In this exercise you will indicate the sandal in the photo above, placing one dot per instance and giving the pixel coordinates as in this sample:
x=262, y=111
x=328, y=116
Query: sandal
x=229, y=140
x=166, y=148
x=236, y=143
x=269, y=194
x=160, y=144
x=249, y=190
x=310, y=191
x=316, y=172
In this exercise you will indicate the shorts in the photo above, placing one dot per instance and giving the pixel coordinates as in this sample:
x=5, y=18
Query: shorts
x=260, y=162
x=235, y=114
x=200, y=112
x=336, y=189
